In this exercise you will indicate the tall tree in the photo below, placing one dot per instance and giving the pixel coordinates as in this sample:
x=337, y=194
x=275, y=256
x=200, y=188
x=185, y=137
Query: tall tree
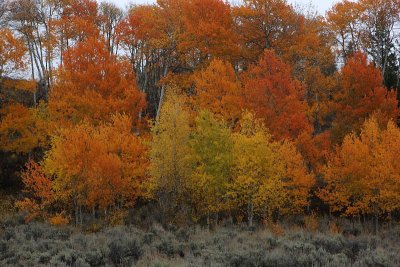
x=211, y=147
x=256, y=169
x=96, y=167
x=269, y=177
x=275, y=97
x=362, y=177
x=35, y=21
x=170, y=163
x=344, y=19
x=361, y=93
x=110, y=16
x=368, y=26
x=93, y=85
x=379, y=20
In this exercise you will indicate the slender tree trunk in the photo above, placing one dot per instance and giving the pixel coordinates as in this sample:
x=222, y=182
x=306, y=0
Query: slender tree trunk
x=250, y=214
x=208, y=220
x=398, y=76
x=376, y=223
x=32, y=63
x=162, y=93
x=80, y=214
x=76, y=214
x=364, y=220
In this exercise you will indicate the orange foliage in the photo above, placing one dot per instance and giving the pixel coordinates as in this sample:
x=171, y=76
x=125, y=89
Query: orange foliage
x=275, y=97
x=315, y=149
x=265, y=24
x=264, y=57
x=12, y=51
x=362, y=177
x=22, y=129
x=187, y=33
x=59, y=220
x=218, y=90
x=360, y=94
x=78, y=21
x=142, y=26
x=297, y=180
x=343, y=19
x=94, y=85
x=102, y=165
x=38, y=188
x=208, y=30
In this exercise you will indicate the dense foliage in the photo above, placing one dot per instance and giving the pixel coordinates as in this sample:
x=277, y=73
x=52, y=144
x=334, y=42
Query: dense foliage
x=202, y=112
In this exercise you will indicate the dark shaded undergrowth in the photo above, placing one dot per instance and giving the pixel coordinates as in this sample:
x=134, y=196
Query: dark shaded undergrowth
x=38, y=244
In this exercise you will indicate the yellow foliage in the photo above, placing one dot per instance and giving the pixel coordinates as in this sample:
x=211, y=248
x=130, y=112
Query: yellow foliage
x=211, y=150
x=334, y=228
x=117, y=217
x=170, y=163
x=58, y=219
x=311, y=222
x=276, y=229
x=268, y=175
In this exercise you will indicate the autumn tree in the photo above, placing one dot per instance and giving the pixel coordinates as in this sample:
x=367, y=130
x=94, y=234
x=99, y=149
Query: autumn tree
x=269, y=177
x=255, y=166
x=360, y=93
x=297, y=180
x=170, y=163
x=275, y=97
x=38, y=190
x=23, y=129
x=379, y=34
x=218, y=89
x=313, y=63
x=369, y=26
x=143, y=34
x=208, y=32
x=34, y=21
x=170, y=40
x=362, y=177
x=344, y=21
x=12, y=51
x=265, y=24
x=93, y=85
x=110, y=16
x=97, y=168
x=211, y=150
x=78, y=21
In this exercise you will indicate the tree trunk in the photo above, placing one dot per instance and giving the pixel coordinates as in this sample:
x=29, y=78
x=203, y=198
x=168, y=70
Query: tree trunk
x=250, y=214
x=376, y=223
x=80, y=214
x=76, y=215
x=208, y=220
x=162, y=93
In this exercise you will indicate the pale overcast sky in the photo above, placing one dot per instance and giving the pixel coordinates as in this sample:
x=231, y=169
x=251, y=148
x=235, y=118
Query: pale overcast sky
x=321, y=5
